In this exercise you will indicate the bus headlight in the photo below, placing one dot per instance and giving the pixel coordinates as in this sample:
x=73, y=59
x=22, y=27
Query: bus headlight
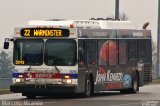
x=18, y=80
x=67, y=81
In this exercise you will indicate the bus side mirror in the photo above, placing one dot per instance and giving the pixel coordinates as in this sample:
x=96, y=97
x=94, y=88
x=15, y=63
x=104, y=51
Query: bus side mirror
x=6, y=43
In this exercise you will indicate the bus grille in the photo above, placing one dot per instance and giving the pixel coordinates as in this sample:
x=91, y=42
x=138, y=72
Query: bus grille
x=146, y=77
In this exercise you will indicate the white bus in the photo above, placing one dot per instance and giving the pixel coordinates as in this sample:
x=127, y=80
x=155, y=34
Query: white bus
x=80, y=56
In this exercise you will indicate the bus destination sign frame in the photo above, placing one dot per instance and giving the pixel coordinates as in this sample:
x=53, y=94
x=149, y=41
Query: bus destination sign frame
x=44, y=32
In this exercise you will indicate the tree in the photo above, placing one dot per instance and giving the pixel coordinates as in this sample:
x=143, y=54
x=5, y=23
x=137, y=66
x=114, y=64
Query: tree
x=5, y=65
x=123, y=16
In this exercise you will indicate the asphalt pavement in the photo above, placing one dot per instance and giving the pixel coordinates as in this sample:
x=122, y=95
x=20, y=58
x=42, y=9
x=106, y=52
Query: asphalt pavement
x=149, y=95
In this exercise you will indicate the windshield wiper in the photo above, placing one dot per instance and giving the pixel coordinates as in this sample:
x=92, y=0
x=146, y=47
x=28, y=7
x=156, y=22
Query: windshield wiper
x=57, y=69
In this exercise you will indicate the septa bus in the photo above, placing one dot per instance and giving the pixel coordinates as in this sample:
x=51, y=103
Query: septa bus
x=80, y=56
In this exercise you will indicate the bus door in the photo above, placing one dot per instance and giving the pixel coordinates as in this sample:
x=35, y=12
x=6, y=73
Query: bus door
x=87, y=59
x=88, y=54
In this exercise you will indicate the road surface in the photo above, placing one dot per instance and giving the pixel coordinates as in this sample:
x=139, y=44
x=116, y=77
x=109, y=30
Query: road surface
x=148, y=95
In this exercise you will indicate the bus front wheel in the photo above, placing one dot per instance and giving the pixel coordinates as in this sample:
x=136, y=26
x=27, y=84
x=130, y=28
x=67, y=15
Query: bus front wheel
x=88, y=87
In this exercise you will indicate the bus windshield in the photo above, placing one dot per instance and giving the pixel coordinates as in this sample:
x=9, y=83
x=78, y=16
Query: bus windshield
x=28, y=52
x=60, y=52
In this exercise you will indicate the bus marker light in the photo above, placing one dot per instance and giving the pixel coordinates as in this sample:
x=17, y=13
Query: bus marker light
x=81, y=62
x=17, y=33
x=71, y=26
x=66, y=76
x=20, y=76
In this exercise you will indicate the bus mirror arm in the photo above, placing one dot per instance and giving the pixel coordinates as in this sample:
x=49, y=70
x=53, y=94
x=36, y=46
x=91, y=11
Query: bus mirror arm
x=57, y=69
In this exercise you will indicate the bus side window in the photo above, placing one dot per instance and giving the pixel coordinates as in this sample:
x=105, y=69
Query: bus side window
x=91, y=52
x=103, y=52
x=113, y=52
x=141, y=50
x=122, y=52
x=81, y=50
x=144, y=50
x=132, y=50
x=148, y=51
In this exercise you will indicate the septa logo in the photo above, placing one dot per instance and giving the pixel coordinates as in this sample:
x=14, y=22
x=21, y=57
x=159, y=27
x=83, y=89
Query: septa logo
x=126, y=80
x=29, y=75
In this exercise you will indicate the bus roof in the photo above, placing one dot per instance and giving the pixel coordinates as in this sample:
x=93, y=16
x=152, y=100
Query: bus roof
x=80, y=33
x=83, y=29
x=114, y=33
x=102, y=24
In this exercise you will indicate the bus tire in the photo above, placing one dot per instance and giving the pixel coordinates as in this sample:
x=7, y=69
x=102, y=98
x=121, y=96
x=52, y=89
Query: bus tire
x=88, y=87
x=135, y=85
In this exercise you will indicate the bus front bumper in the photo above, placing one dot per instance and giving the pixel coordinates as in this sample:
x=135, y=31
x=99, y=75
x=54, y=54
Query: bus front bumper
x=44, y=89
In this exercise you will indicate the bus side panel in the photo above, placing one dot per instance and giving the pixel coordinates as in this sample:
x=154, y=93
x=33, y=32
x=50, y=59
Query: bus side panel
x=144, y=61
x=83, y=73
x=87, y=62
x=117, y=62
x=110, y=74
x=81, y=79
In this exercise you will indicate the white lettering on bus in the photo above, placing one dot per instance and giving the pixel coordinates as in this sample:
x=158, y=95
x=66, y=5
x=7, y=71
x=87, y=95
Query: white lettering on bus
x=114, y=76
x=137, y=33
x=47, y=33
x=108, y=77
x=101, y=77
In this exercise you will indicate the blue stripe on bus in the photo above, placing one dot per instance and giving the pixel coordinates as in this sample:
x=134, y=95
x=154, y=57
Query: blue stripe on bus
x=15, y=75
x=73, y=76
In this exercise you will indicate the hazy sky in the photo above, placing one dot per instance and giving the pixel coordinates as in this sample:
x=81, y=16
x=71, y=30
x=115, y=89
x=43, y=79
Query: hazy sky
x=14, y=13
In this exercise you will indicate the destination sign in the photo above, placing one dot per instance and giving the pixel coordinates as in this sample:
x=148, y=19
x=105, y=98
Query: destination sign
x=44, y=32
